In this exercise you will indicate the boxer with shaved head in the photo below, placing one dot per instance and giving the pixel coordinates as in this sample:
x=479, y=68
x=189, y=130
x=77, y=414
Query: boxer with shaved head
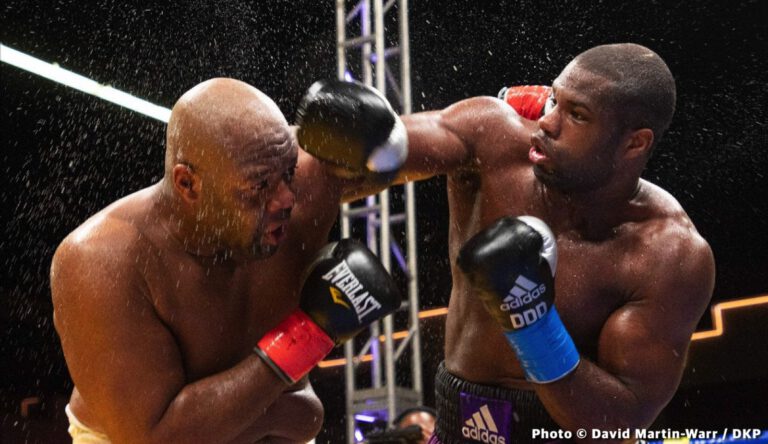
x=576, y=283
x=192, y=310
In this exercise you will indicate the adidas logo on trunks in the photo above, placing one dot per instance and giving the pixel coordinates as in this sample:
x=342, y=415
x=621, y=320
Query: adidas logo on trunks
x=481, y=427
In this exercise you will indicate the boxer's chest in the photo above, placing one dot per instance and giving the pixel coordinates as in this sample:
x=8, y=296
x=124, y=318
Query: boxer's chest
x=217, y=316
x=588, y=288
x=590, y=281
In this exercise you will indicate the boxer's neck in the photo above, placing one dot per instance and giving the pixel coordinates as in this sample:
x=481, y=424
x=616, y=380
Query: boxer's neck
x=593, y=214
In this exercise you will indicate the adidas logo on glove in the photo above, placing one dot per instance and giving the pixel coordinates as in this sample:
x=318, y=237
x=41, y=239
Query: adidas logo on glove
x=482, y=427
x=524, y=292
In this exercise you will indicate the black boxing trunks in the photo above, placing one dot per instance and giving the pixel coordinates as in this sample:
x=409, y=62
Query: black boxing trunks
x=469, y=413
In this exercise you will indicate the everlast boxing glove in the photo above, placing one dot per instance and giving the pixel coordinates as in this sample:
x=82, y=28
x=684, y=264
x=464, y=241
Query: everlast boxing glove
x=345, y=289
x=512, y=265
x=529, y=100
x=353, y=127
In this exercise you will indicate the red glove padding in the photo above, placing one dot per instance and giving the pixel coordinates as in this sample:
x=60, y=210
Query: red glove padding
x=295, y=346
x=344, y=290
x=527, y=100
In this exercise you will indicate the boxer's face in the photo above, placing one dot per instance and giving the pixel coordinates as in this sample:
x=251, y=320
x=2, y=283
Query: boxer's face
x=422, y=419
x=252, y=197
x=578, y=137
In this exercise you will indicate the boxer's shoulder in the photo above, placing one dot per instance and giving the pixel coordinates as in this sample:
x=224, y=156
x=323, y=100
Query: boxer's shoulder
x=485, y=117
x=498, y=137
x=101, y=237
x=113, y=235
x=666, y=244
x=662, y=223
x=108, y=245
x=93, y=268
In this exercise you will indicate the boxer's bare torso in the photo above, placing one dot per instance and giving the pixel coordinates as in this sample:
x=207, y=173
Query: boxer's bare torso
x=601, y=265
x=633, y=274
x=208, y=312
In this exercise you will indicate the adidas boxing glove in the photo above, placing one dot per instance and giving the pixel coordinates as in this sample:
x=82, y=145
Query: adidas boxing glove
x=511, y=266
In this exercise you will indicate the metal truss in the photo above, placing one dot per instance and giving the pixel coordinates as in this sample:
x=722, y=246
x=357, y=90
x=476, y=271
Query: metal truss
x=382, y=397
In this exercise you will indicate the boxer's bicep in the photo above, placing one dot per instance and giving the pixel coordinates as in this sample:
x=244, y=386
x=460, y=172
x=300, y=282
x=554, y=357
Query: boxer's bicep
x=647, y=363
x=433, y=149
x=123, y=360
x=644, y=343
x=461, y=136
x=435, y=145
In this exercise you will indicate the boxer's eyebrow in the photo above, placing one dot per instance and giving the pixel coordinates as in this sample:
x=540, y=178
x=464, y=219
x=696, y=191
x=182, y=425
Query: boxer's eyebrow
x=571, y=102
x=269, y=148
x=258, y=174
x=578, y=104
x=260, y=167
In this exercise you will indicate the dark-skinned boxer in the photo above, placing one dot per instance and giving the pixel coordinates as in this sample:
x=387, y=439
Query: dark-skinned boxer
x=606, y=348
x=180, y=318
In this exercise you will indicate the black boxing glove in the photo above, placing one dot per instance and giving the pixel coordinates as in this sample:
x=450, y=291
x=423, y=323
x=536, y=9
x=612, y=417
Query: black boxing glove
x=344, y=290
x=353, y=127
x=511, y=266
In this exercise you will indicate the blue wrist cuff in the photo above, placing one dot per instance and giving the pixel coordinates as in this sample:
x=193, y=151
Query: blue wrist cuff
x=545, y=349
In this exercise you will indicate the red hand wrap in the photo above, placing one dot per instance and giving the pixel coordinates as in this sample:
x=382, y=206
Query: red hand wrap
x=528, y=100
x=296, y=345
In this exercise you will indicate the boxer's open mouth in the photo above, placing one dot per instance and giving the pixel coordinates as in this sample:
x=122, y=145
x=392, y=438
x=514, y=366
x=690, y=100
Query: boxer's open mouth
x=536, y=155
x=538, y=152
x=276, y=234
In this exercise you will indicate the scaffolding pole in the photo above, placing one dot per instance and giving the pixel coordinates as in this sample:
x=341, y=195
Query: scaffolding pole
x=382, y=397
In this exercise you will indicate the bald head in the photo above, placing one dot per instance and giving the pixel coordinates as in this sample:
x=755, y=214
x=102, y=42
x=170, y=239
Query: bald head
x=216, y=118
x=228, y=164
x=642, y=87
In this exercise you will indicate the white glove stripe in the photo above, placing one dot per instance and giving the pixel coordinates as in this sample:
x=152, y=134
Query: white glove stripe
x=549, y=247
x=390, y=155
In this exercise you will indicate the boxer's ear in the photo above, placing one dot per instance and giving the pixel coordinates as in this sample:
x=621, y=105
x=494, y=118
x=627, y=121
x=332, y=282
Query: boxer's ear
x=186, y=183
x=638, y=143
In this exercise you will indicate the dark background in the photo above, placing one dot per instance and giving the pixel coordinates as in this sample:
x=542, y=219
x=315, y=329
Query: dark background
x=66, y=155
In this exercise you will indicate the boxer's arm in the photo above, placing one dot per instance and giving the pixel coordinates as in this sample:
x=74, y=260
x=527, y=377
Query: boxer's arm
x=642, y=346
x=436, y=143
x=296, y=416
x=127, y=364
x=458, y=137
x=434, y=147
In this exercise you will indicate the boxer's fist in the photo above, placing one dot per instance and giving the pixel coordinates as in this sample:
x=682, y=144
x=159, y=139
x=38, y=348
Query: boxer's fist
x=352, y=127
x=345, y=289
x=511, y=266
x=529, y=100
